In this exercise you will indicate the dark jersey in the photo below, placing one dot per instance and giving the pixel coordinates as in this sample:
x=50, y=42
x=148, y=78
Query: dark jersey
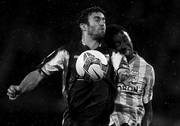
x=89, y=102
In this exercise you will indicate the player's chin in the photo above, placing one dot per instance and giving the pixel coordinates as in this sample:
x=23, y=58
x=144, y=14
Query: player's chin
x=100, y=36
x=121, y=50
x=101, y=32
x=127, y=52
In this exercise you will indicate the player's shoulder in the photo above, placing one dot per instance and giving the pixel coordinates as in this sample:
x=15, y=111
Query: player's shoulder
x=146, y=63
x=62, y=48
x=61, y=51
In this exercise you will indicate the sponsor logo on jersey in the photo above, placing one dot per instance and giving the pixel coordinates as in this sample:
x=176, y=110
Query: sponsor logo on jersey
x=131, y=85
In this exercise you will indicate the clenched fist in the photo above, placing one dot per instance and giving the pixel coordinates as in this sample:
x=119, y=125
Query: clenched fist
x=13, y=92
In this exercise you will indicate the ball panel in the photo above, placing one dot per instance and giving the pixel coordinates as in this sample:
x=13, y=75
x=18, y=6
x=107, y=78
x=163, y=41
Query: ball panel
x=99, y=55
x=96, y=72
x=91, y=62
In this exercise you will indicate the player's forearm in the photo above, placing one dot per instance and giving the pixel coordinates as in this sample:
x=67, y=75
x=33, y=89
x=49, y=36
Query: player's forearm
x=147, y=119
x=31, y=81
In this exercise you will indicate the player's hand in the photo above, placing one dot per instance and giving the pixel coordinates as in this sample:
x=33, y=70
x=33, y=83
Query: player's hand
x=13, y=92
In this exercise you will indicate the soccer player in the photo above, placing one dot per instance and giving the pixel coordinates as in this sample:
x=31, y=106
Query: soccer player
x=133, y=105
x=89, y=103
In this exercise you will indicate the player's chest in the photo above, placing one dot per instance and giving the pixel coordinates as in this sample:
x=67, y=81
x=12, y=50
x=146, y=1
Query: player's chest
x=137, y=77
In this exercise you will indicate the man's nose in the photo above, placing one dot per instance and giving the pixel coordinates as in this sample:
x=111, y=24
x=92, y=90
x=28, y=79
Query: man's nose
x=102, y=22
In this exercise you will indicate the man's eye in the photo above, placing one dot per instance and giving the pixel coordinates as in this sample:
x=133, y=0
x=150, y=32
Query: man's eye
x=97, y=20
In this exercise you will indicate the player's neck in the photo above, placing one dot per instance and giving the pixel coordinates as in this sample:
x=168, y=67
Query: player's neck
x=90, y=42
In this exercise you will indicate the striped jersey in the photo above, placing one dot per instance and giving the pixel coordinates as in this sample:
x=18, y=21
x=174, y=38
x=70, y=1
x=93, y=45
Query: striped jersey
x=133, y=93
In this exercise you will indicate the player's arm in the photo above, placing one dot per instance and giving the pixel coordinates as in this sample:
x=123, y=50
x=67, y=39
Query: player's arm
x=30, y=81
x=56, y=61
x=147, y=99
x=147, y=119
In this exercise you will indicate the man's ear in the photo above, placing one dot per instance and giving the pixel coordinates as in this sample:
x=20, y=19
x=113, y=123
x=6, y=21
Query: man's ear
x=83, y=26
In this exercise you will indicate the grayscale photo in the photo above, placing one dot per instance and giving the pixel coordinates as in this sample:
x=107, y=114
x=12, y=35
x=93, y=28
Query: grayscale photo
x=89, y=63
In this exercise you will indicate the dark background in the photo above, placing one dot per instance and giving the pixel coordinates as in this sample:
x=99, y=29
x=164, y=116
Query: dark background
x=31, y=29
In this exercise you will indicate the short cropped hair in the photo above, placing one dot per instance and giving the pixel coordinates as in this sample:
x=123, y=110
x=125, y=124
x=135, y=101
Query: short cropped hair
x=83, y=18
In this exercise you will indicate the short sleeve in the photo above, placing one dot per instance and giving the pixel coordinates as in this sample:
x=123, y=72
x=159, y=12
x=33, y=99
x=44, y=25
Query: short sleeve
x=56, y=61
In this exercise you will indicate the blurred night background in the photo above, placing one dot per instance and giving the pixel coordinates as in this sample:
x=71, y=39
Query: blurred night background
x=31, y=29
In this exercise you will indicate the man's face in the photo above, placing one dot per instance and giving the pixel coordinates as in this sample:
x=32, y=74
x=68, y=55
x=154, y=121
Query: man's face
x=123, y=44
x=96, y=26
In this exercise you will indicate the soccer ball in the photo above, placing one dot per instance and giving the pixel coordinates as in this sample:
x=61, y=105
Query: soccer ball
x=92, y=63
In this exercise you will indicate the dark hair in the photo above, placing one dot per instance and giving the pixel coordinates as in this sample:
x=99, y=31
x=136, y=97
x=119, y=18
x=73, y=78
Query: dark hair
x=83, y=18
x=113, y=30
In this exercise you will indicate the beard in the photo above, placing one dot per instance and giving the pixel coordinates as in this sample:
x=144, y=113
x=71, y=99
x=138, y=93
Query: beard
x=96, y=34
